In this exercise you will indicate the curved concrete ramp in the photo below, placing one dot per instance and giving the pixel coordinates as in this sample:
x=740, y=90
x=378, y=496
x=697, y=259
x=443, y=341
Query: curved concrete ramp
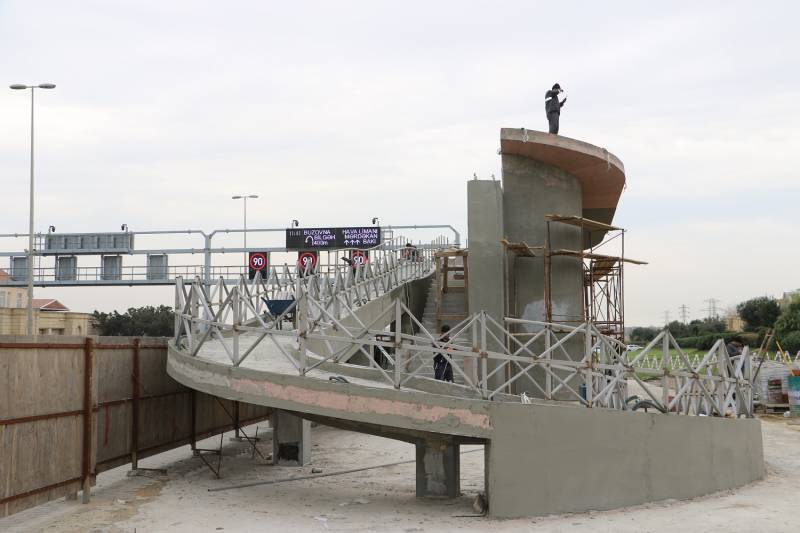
x=540, y=459
x=360, y=400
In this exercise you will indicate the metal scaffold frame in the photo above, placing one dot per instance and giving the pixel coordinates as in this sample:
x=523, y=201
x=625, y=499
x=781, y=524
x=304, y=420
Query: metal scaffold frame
x=603, y=275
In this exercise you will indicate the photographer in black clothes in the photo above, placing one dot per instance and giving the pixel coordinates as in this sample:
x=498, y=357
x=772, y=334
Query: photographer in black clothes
x=553, y=107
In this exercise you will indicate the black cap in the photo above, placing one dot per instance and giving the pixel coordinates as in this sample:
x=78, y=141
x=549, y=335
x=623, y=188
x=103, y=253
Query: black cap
x=556, y=86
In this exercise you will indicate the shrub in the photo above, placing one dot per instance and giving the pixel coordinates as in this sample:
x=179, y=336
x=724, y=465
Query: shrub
x=705, y=342
x=791, y=342
x=751, y=339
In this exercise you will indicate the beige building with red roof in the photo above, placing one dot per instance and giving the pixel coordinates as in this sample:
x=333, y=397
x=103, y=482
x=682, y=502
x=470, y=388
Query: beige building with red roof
x=50, y=316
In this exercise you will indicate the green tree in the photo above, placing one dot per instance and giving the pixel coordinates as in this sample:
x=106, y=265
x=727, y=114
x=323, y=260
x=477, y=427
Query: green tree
x=789, y=319
x=644, y=334
x=791, y=342
x=145, y=321
x=679, y=329
x=705, y=326
x=761, y=312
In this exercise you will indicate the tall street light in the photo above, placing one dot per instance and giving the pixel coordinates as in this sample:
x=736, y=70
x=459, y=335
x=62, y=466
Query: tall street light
x=244, y=197
x=18, y=87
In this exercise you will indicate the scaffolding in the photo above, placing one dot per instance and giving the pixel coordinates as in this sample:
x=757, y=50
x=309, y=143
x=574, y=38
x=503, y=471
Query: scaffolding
x=452, y=286
x=603, y=274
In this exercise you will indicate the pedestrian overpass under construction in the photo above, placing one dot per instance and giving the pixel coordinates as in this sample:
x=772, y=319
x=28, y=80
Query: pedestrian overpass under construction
x=570, y=419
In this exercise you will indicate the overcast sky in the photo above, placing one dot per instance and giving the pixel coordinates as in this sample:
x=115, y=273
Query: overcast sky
x=335, y=112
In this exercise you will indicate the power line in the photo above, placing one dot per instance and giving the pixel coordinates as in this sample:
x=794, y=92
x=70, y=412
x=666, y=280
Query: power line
x=712, y=307
x=684, y=313
x=666, y=317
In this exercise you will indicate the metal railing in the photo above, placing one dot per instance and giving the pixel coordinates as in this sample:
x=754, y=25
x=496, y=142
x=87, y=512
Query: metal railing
x=489, y=359
x=223, y=312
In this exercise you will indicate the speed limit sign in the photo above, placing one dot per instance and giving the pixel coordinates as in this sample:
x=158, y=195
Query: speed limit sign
x=257, y=262
x=307, y=262
x=359, y=257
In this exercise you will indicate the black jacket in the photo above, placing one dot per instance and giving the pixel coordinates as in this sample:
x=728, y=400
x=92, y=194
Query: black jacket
x=551, y=103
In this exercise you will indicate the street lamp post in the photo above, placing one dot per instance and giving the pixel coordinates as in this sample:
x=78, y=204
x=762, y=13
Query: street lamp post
x=244, y=197
x=18, y=86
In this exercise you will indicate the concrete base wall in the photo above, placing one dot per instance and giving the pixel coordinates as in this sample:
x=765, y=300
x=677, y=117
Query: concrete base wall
x=549, y=460
x=541, y=459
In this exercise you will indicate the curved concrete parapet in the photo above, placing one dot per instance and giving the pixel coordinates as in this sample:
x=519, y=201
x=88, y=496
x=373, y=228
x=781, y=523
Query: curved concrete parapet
x=559, y=459
x=600, y=173
x=540, y=459
x=369, y=403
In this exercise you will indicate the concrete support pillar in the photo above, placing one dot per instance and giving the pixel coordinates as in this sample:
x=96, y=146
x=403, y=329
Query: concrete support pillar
x=438, y=468
x=486, y=261
x=291, y=439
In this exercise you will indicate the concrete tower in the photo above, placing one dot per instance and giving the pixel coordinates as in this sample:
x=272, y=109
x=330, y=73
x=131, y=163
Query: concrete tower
x=543, y=174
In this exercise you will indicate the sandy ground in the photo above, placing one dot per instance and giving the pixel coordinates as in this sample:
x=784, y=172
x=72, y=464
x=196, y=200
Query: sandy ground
x=383, y=499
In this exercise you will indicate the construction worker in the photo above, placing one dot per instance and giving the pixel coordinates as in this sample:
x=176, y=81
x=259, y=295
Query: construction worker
x=553, y=107
x=442, y=369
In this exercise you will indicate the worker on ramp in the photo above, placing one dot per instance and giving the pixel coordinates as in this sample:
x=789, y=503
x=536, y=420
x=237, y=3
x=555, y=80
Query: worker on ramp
x=552, y=107
x=442, y=369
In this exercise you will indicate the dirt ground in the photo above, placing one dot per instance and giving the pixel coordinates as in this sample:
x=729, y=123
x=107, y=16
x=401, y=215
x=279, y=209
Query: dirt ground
x=383, y=499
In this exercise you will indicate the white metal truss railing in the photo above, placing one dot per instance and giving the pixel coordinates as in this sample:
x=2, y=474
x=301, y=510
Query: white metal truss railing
x=223, y=312
x=653, y=360
x=489, y=360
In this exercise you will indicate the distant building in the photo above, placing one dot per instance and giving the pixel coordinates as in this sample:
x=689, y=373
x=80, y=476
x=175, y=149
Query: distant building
x=50, y=317
x=734, y=322
x=788, y=297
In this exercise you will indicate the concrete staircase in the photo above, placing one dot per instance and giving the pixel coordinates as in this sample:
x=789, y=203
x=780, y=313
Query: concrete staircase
x=452, y=303
x=429, y=316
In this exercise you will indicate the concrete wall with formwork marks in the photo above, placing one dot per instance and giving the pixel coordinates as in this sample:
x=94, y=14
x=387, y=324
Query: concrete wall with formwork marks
x=532, y=190
x=562, y=459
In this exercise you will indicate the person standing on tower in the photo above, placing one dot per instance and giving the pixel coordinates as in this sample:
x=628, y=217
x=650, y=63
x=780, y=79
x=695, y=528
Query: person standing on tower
x=553, y=107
